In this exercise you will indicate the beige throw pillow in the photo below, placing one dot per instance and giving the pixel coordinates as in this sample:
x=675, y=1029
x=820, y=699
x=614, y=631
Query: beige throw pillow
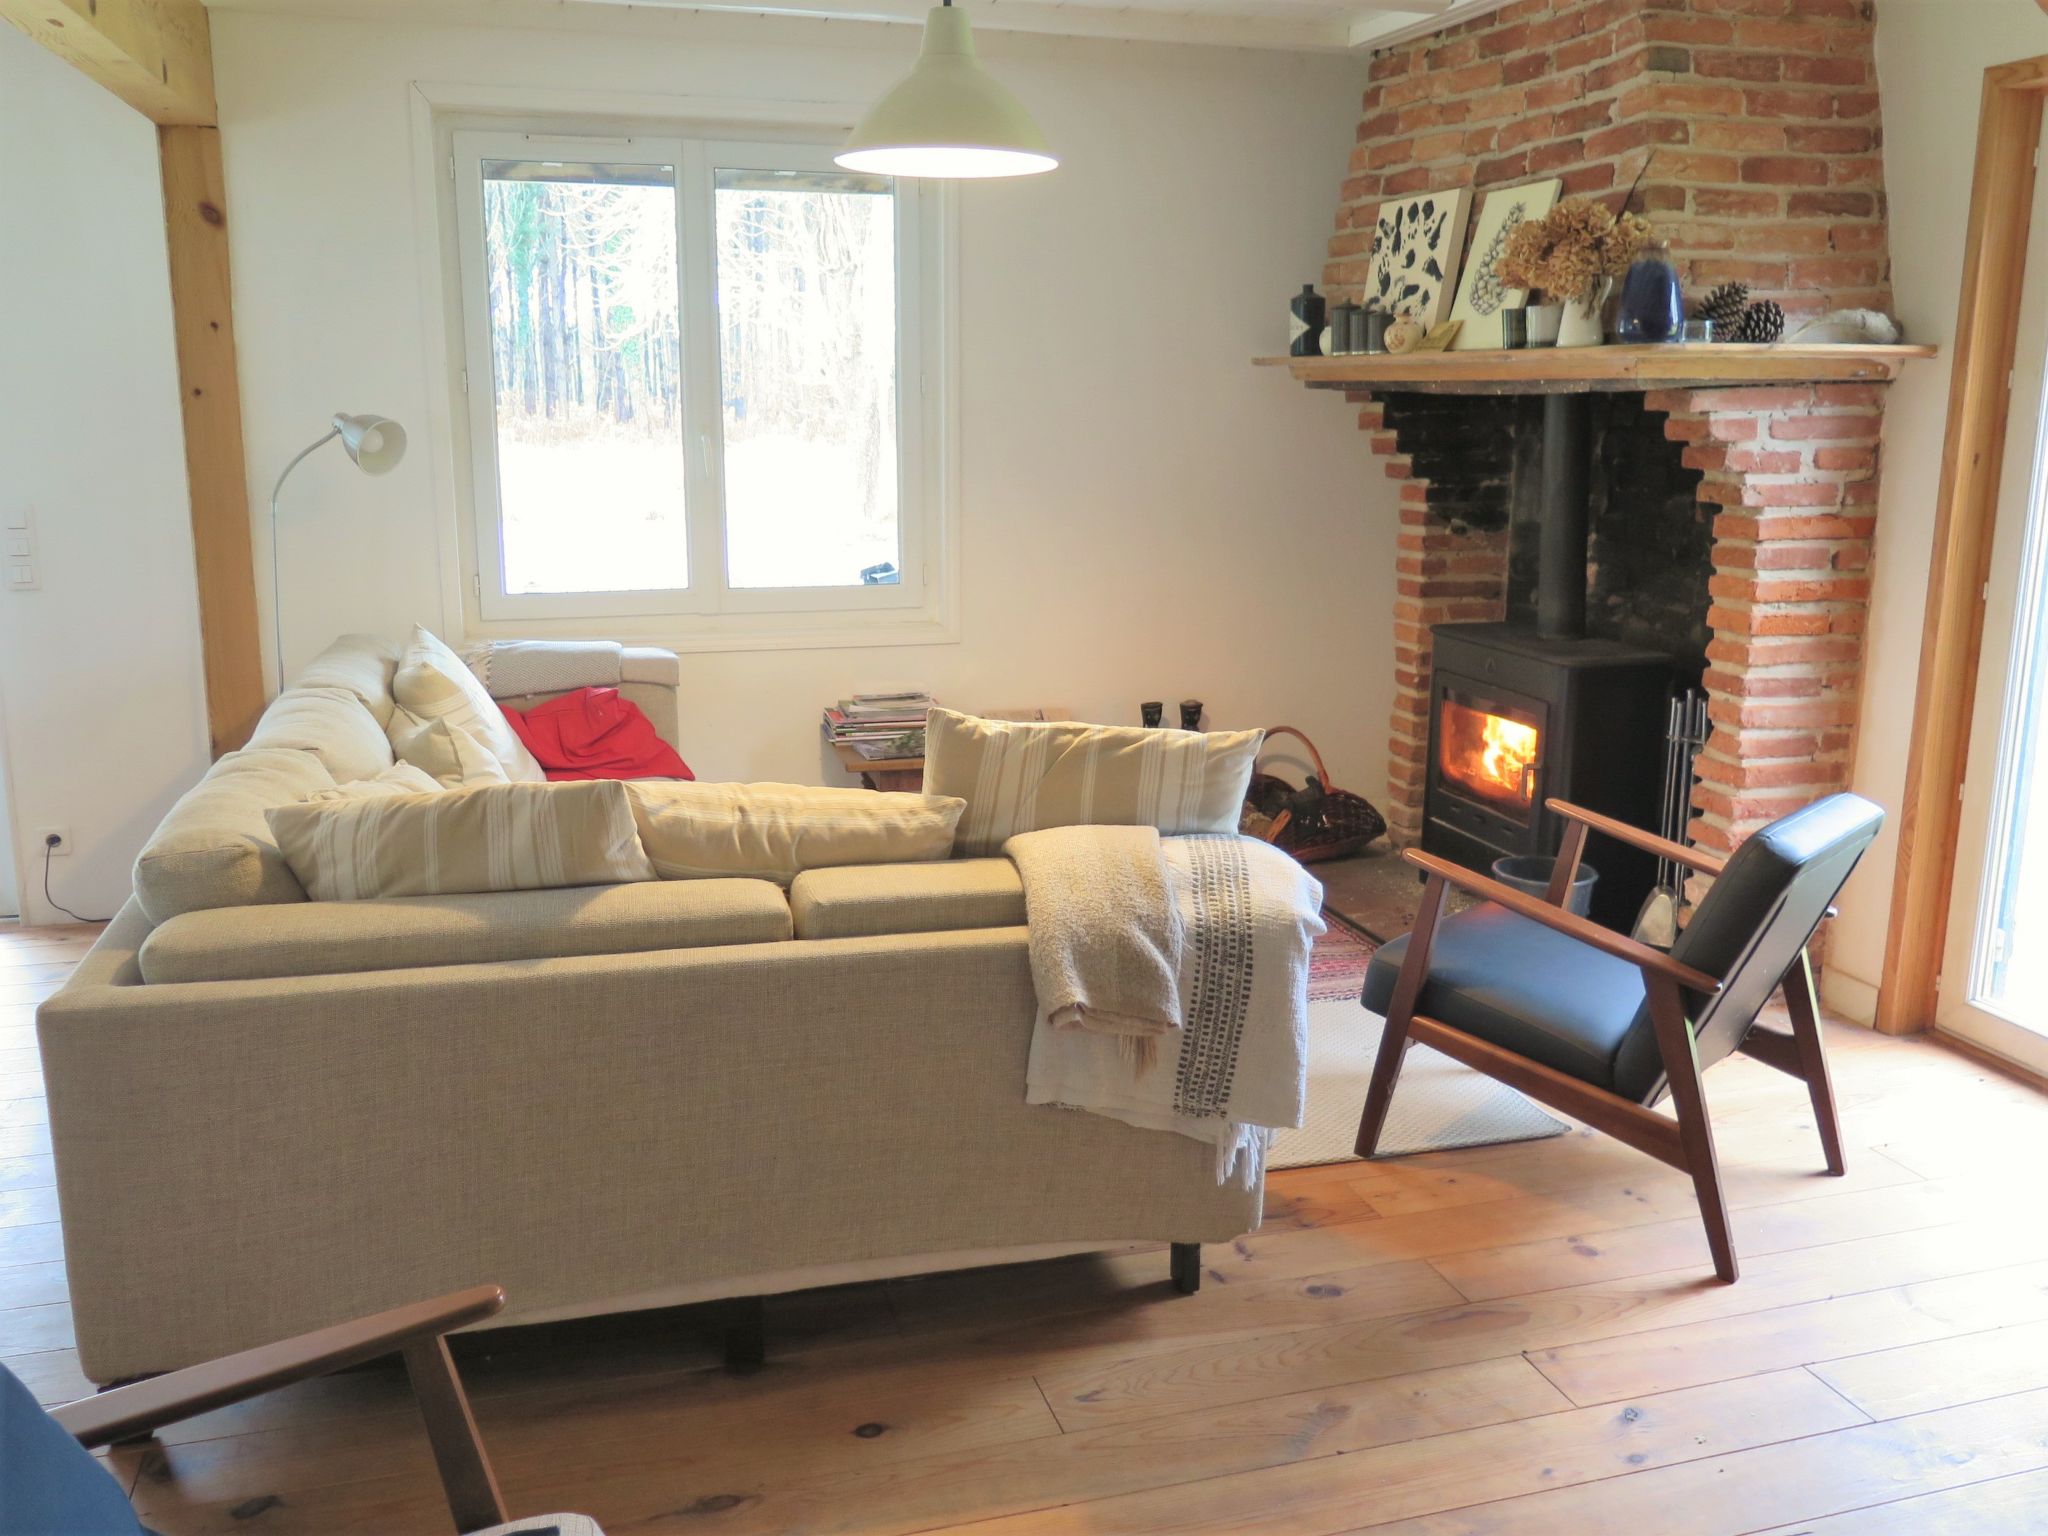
x=451, y=757
x=501, y=837
x=1022, y=777
x=777, y=831
x=433, y=683
x=398, y=779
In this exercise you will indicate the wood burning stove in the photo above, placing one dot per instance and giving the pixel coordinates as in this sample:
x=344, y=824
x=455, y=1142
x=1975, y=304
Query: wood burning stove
x=1519, y=714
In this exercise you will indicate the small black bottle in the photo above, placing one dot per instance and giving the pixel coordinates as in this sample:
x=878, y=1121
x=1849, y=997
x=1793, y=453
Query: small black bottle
x=1305, y=323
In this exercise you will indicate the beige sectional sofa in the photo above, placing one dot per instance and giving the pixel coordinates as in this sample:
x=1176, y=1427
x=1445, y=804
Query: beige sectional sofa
x=271, y=1114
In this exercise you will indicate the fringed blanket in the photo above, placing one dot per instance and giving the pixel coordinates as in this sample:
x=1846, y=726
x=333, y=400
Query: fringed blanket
x=1188, y=1014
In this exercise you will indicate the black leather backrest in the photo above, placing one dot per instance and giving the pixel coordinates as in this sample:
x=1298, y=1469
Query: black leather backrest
x=1764, y=907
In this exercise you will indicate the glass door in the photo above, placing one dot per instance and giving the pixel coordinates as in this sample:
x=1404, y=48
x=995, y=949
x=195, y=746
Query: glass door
x=1994, y=976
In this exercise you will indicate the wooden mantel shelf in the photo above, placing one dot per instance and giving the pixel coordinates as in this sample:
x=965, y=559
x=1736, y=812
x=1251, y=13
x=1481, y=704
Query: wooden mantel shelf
x=1582, y=370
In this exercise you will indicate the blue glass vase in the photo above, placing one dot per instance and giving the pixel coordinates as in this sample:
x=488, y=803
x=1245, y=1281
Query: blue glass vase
x=1652, y=309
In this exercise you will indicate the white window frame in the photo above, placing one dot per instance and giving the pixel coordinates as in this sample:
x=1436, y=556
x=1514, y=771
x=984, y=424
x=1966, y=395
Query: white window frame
x=710, y=614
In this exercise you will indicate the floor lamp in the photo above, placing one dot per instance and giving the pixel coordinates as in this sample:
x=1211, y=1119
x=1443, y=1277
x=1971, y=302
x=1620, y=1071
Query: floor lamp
x=374, y=445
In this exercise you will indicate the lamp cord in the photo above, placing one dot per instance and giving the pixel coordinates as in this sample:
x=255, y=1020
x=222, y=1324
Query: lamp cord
x=50, y=852
x=276, y=591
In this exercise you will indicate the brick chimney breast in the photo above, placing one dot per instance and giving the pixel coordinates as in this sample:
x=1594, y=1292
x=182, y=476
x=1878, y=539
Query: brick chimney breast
x=1749, y=132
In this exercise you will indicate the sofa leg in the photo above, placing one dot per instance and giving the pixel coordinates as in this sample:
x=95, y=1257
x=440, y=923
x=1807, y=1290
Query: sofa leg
x=1187, y=1268
x=746, y=1334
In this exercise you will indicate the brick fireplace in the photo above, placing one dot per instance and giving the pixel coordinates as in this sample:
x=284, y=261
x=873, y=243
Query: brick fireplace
x=1753, y=127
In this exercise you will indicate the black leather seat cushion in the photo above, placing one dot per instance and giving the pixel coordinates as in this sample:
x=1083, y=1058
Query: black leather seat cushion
x=1525, y=988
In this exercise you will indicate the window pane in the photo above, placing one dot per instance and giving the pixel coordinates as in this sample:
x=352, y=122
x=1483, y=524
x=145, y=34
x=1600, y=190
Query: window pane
x=807, y=339
x=585, y=358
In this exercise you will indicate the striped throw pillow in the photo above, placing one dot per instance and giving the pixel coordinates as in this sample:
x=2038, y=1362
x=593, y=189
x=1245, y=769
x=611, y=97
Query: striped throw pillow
x=777, y=831
x=1022, y=777
x=499, y=837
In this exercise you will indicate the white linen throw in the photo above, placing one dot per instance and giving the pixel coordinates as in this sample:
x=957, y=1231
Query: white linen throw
x=1236, y=1067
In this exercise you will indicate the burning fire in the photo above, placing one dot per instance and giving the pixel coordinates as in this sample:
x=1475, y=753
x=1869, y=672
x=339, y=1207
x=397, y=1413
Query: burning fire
x=1508, y=750
x=1489, y=755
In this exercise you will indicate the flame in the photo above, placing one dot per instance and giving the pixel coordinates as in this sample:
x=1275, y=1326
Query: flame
x=1509, y=750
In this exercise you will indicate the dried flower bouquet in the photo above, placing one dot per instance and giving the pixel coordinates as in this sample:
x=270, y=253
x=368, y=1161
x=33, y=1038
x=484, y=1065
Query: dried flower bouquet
x=1568, y=251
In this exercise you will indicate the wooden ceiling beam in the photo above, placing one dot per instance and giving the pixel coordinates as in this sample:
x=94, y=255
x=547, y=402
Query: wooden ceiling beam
x=156, y=55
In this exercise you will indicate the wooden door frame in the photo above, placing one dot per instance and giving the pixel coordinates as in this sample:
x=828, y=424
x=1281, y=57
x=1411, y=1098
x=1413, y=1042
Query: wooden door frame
x=1966, y=517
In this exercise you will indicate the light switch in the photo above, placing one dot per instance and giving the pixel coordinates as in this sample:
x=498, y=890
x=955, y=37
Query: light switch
x=21, y=576
x=18, y=516
x=19, y=546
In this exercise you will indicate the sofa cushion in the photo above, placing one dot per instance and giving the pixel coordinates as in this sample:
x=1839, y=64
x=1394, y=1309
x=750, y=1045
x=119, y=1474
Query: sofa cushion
x=214, y=848
x=906, y=898
x=1024, y=776
x=394, y=933
x=362, y=664
x=331, y=723
x=501, y=837
x=451, y=757
x=776, y=831
x=433, y=683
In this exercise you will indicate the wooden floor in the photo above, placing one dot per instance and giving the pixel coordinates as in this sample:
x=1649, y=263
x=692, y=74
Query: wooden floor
x=1519, y=1340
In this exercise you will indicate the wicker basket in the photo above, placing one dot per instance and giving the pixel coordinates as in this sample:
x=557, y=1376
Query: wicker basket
x=1349, y=821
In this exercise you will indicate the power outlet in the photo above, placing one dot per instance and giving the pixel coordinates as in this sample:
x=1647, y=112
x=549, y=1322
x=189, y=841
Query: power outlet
x=56, y=841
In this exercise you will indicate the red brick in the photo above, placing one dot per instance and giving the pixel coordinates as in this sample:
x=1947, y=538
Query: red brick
x=1784, y=171
x=1858, y=428
x=1791, y=493
x=1834, y=71
x=1736, y=204
x=1755, y=68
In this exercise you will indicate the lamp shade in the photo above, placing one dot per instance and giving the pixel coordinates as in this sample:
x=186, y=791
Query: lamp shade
x=374, y=443
x=948, y=117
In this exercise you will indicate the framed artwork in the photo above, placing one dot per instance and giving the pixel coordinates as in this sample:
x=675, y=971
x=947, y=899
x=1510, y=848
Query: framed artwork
x=1415, y=255
x=1481, y=295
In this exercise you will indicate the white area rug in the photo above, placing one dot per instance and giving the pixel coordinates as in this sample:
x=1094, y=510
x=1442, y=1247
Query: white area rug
x=1438, y=1104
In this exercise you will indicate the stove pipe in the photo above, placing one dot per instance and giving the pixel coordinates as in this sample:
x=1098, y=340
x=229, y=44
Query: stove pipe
x=1561, y=530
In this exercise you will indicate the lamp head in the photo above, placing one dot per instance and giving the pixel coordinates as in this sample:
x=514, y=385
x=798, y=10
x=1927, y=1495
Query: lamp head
x=948, y=117
x=374, y=443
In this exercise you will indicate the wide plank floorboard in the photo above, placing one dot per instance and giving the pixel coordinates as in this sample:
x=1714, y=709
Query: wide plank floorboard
x=1498, y=1341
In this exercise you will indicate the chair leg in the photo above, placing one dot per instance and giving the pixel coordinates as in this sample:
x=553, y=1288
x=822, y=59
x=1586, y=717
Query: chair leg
x=1187, y=1268
x=466, y=1477
x=1813, y=1060
x=1386, y=1066
x=1696, y=1135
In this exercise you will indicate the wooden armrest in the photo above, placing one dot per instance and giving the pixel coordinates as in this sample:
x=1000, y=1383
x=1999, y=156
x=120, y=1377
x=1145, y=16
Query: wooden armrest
x=1683, y=853
x=1570, y=924
x=127, y=1412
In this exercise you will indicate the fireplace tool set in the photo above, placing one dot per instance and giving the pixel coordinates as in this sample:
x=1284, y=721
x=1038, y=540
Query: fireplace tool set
x=1685, y=734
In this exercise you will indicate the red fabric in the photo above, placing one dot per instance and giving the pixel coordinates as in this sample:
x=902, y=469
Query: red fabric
x=592, y=733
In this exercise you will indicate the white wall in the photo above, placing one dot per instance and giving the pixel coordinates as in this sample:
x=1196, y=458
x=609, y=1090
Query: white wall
x=1931, y=58
x=1143, y=514
x=99, y=670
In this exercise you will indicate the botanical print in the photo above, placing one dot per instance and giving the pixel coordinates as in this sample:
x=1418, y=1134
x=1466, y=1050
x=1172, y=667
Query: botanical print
x=1483, y=294
x=1415, y=254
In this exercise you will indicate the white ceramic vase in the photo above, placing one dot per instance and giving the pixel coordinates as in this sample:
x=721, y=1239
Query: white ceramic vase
x=1581, y=326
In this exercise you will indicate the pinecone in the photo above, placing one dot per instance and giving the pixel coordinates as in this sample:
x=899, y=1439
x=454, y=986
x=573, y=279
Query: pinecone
x=1763, y=322
x=1724, y=306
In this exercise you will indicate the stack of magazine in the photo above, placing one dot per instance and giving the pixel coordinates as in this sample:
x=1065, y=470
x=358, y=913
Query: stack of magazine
x=880, y=726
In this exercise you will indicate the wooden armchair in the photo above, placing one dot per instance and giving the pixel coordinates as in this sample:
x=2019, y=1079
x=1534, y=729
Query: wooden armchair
x=50, y=1484
x=1599, y=1026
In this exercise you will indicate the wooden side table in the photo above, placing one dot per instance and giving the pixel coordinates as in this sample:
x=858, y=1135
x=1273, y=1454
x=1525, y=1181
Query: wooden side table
x=886, y=773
